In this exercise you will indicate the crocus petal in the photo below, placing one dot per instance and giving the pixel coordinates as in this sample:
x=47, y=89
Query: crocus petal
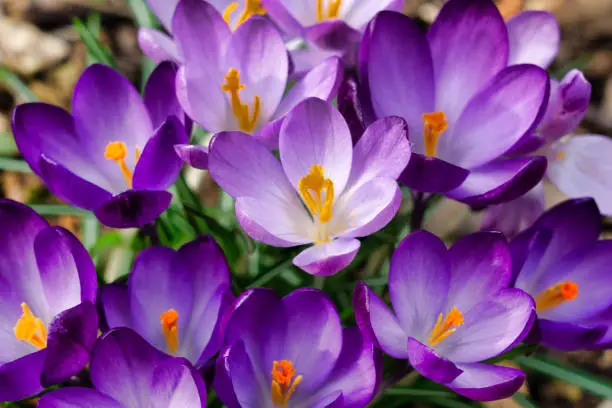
x=315, y=133
x=332, y=35
x=432, y=175
x=429, y=364
x=159, y=165
x=327, y=258
x=349, y=105
x=509, y=107
x=163, y=9
x=72, y=336
x=483, y=382
x=287, y=17
x=76, y=397
x=175, y=384
x=193, y=155
x=568, y=336
x=222, y=383
x=419, y=276
x=157, y=45
x=20, y=378
x=160, y=94
x=378, y=324
x=134, y=208
x=248, y=391
x=534, y=38
x=582, y=167
x=116, y=305
x=359, y=13
x=469, y=45
x=500, y=181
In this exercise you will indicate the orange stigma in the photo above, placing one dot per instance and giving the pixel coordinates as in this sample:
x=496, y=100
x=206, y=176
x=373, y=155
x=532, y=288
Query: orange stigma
x=117, y=152
x=169, y=324
x=251, y=8
x=30, y=328
x=435, y=125
x=233, y=86
x=445, y=326
x=333, y=10
x=283, y=383
x=311, y=188
x=556, y=295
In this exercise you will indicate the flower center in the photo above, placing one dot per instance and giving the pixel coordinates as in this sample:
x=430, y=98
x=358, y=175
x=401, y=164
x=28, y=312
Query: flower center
x=556, y=295
x=317, y=193
x=251, y=8
x=169, y=325
x=445, y=326
x=233, y=86
x=435, y=125
x=117, y=152
x=283, y=383
x=333, y=10
x=30, y=328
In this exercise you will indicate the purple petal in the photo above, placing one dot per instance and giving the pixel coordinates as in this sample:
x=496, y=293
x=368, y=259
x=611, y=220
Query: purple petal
x=269, y=134
x=157, y=45
x=284, y=15
x=328, y=258
x=315, y=133
x=419, y=268
x=429, y=364
x=160, y=94
x=20, y=379
x=134, y=208
x=76, y=397
x=497, y=117
x=195, y=156
x=500, y=181
x=483, y=382
x=469, y=45
x=222, y=382
x=72, y=336
x=432, y=175
x=360, y=13
x=175, y=384
x=378, y=324
x=332, y=35
x=246, y=388
x=568, y=336
x=534, y=38
x=349, y=105
x=163, y=9
x=116, y=305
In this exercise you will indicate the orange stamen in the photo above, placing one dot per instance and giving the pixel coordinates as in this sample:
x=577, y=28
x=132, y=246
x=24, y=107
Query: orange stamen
x=333, y=10
x=233, y=86
x=169, y=324
x=251, y=8
x=30, y=328
x=435, y=125
x=556, y=295
x=117, y=152
x=311, y=188
x=283, y=383
x=445, y=326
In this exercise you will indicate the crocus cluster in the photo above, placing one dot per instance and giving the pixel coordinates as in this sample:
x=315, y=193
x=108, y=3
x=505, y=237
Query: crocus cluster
x=314, y=143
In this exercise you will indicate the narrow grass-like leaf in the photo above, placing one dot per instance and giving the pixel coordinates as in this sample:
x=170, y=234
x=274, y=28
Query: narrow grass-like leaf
x=98, y=52
x=19, y=166
x=16, y=85
x=91, y=230
x=58, y=209
x=523, y=401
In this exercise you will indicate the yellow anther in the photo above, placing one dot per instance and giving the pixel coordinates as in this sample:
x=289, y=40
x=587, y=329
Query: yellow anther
x=445, y=326
x=333, y=10
x=561, y=155
x=233, y=86
x=283, y=383
x=30, y=328
x=169, y=325
x=311, y=188
x=556, y=295
x=117, y=152
x=251, y=8
x=435, y=125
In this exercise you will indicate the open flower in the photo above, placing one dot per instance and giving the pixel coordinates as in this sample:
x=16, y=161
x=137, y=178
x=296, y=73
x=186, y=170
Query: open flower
x=107, y=157
x=453, y=309
x=48, y=321
x=127, y=372
x=293, y=352
x=323, y=191
x=464, y=106
x=174, y=299
x=563, y=266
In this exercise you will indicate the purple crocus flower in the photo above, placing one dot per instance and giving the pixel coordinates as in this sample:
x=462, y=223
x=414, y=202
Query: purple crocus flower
x=563, y=266
x=174, y=299
x=464, y=105
x=293, y=352
x=114, y=155
x=237, y=81
x=453, y=309
x=127, y=372
x=323, y=191
x=48, y=321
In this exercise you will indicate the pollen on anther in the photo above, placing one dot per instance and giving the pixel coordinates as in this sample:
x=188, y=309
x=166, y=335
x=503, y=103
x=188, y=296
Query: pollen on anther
x=115, y=151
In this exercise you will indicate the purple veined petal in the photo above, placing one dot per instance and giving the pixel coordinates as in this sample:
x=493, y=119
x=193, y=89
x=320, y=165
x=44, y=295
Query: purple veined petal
x=193, y=155
x=328, y=258
x=163, y=10
x=581, y=167
x=469, y=46
x=366, y=102
x=432, y=175
x=568, y=336
x=20, y=379
x=76, y=397
x=484, y=382
x=500, y=181
x=534, y=38
x=34, y=123
x=429, y=364
x=160, y=94
x=400, y=72
x=160, y=281
x=107, y=108
x=175, y=384
x=305, y=59
x=359, y=13
x=334, y=400
x=222, y=383
x=333, y=35
x=419, y=278
x=72, y=336
x=269, y=134
x=349, y=105
x=481, y=266
x=159, y=165
x=288, y=15
x=378, y=324
x=490, y=327
x=157, y=45
x=116, y=305
x=133, y=209
x=248, y=391
x=497, y=117
x=315, y=133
